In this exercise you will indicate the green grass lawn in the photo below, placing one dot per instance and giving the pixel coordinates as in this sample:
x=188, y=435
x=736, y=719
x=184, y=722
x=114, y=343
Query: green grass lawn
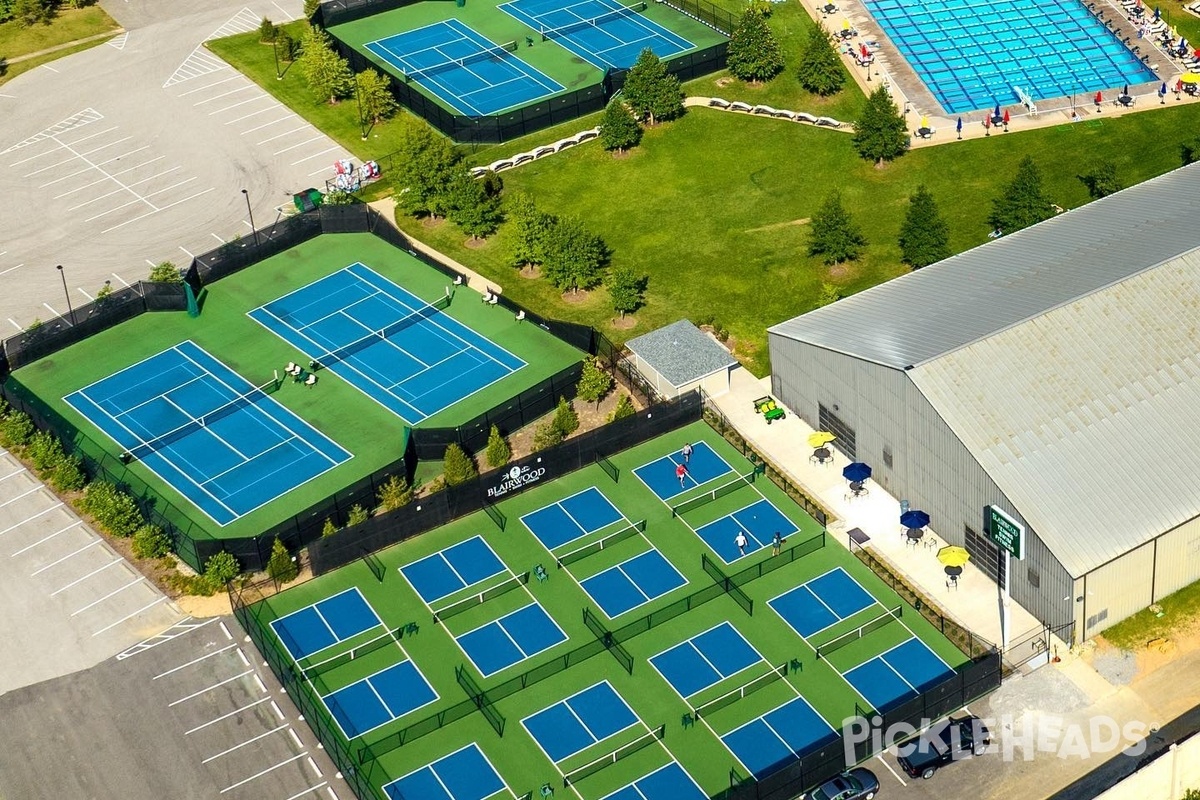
x=69, y=25
x=517, y=757
x=1179, y=612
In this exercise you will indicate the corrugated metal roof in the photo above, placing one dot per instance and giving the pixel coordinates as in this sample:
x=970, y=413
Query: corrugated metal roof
x=681, y=353
x=1086, y=417
x=967, y=297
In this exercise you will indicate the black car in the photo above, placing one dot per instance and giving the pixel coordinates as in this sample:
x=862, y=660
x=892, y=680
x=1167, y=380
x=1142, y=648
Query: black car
x=857, y=784
x=944, y=743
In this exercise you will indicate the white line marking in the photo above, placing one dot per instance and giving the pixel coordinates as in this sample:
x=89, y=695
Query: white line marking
x=298, y=144
x=100, y=600
x=224, y=630
x=242, y=656
x=295, y=738
x=223, y=109
x=193, y=661
x=278, y=713
x=162, y=208
x=209, y=689
x=208, y=86
x=22, y=494
x=265, y=124
x=11, y=269
x=223, y=94
x=225, y=716
x=52, y=69
x=889, y=769
x=285, y=133
x=40, y=570
x=315, y=768
x=243, y=744
x=11, y=474
x=14, y=324
x=264, y=772
x=261, y=685
x=85, y=294
x=315, y=155
x=146, y=607
x=186, y=251
x=46, y=538
x=310, y=790
x=52, y=311
x=122, y=280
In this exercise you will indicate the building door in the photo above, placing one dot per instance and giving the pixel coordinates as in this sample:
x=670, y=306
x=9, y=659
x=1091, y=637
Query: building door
x=832, y=423
x=985, y=555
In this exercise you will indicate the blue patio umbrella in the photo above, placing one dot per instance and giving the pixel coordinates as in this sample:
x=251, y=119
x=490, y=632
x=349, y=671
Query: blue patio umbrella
x=1157, y=14
x=857, y=471
x=914, y=519
x=959, y=127
x=996, y=113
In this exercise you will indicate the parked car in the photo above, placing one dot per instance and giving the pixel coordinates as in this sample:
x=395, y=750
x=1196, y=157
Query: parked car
x=944, y=743
x=857, y=784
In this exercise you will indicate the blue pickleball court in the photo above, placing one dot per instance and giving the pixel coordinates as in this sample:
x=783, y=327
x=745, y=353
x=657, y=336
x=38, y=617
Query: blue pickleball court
x=768, y=742
x=666, y=783
x=758, y=521
x=580, y=721
x=705, y=660
x=572, y=518
x=457, y=567
x=822, y=602
x=632, y=583
x=704, y=466
x=335, y=619
x=378, y=699
x=511, y=639
x=465, y=774
x=898, y=674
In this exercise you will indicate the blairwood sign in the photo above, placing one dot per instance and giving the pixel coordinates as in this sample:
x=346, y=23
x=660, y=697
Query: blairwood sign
x=515, y=479
x=1005, y=532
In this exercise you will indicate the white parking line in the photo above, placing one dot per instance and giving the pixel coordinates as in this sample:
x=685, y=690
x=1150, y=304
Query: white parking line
x=126, y=204
x=93, y=135
x=78, y=581
x=204, y=725
x=110, y=144
x=298, y=144
x=31, y=516
x=889, y=769
x=235, y=105
x=122, y=280
x=315, y=768
x=264, y=772
x=225, y=631
x=14, y=324
x=186, y=251
x=332, y=793
x=85, y=294
x=46, y=538
x=223, y=94
x=287, y=17
x=285, y=133
x=17, y=472
x=278, y=713
x=272, y=107
x=311, y=789
x=151, y=604
x=265, y=124
x=296, y=739
x=172, y=186
x=208, y=86
x=160, y=208
x=40, y=570
x=210, y=688
x=52, y=311
x=114, y=592
x=38, y=155
x=261, y=685
x=193, y=662
x=314, y=155
x=118, y=158
x=22, y=494
x=243, y=744
x=242, y=656
x=11, y=269
x=52, y=166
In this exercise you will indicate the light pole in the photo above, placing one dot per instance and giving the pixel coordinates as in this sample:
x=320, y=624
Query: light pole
x=362, y=123
x=66, y=294
x=250, y=212
x=275, y=50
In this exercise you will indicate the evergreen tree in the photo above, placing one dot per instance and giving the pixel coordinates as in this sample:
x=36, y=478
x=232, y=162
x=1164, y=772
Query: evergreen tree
x=651, y=91
x=458, y=467
x=627, y=289
x=619, y=129
x=1022, y=203
x=820, y=69
x=267, y=30
x=566, y=421
x=375, y=95
x=166, y=272
x=326, y=73
x=880, y=133
x=470, y=207
x=425, y=167
x=623, y=409
x=395, y=493
x=754, y=54
x=574, y=256
x=30, y=12
x=528, y=230
x=1101, y=180
x=594, y=382
x=924, y=236
x=281, y=567
x=834, y=236
x=498, y=451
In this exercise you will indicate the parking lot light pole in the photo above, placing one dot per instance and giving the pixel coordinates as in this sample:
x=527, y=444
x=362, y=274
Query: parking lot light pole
x=275, y=50
x=66, y=294
x=250, y=212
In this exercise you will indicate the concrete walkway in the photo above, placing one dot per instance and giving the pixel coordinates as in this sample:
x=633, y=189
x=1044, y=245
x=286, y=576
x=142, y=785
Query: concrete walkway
x=66, y=45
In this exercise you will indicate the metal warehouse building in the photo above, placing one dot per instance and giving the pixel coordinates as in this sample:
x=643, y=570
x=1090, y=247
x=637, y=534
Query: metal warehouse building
x=1053, y=373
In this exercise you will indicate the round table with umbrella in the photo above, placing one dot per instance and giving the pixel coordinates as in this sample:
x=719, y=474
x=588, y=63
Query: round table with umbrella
x=915, y=535
x=914, y=519
x=820, y=438
x=953, y=556
x=856, y=472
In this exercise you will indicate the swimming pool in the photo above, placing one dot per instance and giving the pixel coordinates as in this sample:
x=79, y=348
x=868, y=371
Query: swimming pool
x=972, y=54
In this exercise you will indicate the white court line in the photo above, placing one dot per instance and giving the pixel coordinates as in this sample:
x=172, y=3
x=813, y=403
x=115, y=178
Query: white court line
x=173, y=670
x=253, y=114
x=146, y=607
x=317, y=788
x=254, y=99
x=298, y=144
x=315, y=155
x=22, y=494
x=243, y=744
x=46, y=538
x=204, y=725
x=208, y=86
x=264, y=772
x=163, y=208
x=40, y=570
x=113, y=593
x=209, y=689
x=85, y=577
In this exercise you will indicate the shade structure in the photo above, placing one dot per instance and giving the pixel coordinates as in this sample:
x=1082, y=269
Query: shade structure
x=953, y=556
x=1189, y=77
x=857, y=471
x=820, y=438
x=914, y=519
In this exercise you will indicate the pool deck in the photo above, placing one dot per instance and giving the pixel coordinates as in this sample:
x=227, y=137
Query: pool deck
x=911, y=94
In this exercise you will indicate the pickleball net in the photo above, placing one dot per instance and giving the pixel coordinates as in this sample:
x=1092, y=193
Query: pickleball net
x=591, y=22
x=491, y=53
x=145, y=448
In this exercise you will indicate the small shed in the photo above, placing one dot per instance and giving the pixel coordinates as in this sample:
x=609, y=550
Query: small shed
x=680, y=357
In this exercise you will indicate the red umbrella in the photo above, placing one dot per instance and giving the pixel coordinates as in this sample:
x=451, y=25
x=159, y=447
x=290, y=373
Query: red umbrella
x=1099, y=98
x=1006, y=117
x=987, y=122
x=1179, y=86
x=865, y=52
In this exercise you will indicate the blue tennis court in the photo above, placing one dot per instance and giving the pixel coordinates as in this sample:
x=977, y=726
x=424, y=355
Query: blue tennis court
x=659, y=475
x=580, y=721
x=457, y=567
x=572, y=518
x=388, y=343
x=511, y=639
x=705, y=659
x=602, y=32
x=821, y=602
x=465, y=774
x=779, y=736
x=898, y=674
x=216, y=438
x=633, y=583
x=758, y=521
x=335, y=619
x=378, y=699
x=464, y=69
x=665, y=783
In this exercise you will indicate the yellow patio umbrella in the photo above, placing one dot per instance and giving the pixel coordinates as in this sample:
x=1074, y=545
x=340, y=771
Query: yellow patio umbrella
x=1190, y=77
x=845, y=24
x=953, y=556
x=924, y=122
x=820, y=438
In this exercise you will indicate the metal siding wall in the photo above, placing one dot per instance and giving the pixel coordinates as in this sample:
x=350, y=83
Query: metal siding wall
x=1177, y=562
x=1118, y=589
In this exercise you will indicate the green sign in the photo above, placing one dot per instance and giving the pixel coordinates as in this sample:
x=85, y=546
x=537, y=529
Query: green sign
x=1005, y=532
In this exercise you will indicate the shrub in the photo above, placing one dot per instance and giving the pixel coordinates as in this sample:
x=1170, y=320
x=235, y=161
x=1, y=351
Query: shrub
x=67, y=475
x=267, y=30
x=594, y=382
x=498, y=451
x=166, y=272
x=329, y=529
x=395, y=493
x=281, y=567
x=623, y=409
x=310, y=8
x=16, y=429
x=113, y=510
x=150, y=541
x=44, y=451
x=286, y=46
x=221, y=569
x=546, y=435
x=459, y=467
x=357, y=515
x=565, y=418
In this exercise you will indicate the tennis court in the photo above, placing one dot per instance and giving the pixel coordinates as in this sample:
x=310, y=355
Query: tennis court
x=705, y=660
x=463, y=775
x=572, y=518
x=898, y=673
x=704, y=466
x=766, y=742
x=665, y=783
x=822, y=602
x=388, y=343
x=464, y=69
x=602, y=32
x=447, y=571
x=336, y=619
x=511, y=639
x=577, y=722
x=219, y=440
x=758, y=522
x=633, y=583
x=378, y=699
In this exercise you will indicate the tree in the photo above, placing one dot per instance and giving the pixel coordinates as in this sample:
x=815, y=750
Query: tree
x=424, y=167
x=924, y=236
x=267, y=30
x=458, y=467
x=498, y=452
x=326, y=73
x=820, y=69
x=375, y=94
x=395, y=493
x=627, y=289
x=594, y=382
x=566, y=421
x=1189, y=151
x=829, y=294
x=1101, y=180
x=880, y=133
x=310, y=8
x=651, y=91
x=545, y=435
x=469, y=206
x=30, y=12
x=619, y=129
x=754, y=54
x=1022, y=203
x=574, y=256
x=529, y=230
x=834, y=236
x=280, y=566
x=624, y=408
x=166, y=272
x=328, y=529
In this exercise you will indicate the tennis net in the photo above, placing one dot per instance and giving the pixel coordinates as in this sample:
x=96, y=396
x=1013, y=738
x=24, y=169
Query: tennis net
x=880, y=621
x=491, y=53
x=691, y=504
x=595, y=547
x=145, y=448
x=731, y=697
x=423, y=313
x=600, y=19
